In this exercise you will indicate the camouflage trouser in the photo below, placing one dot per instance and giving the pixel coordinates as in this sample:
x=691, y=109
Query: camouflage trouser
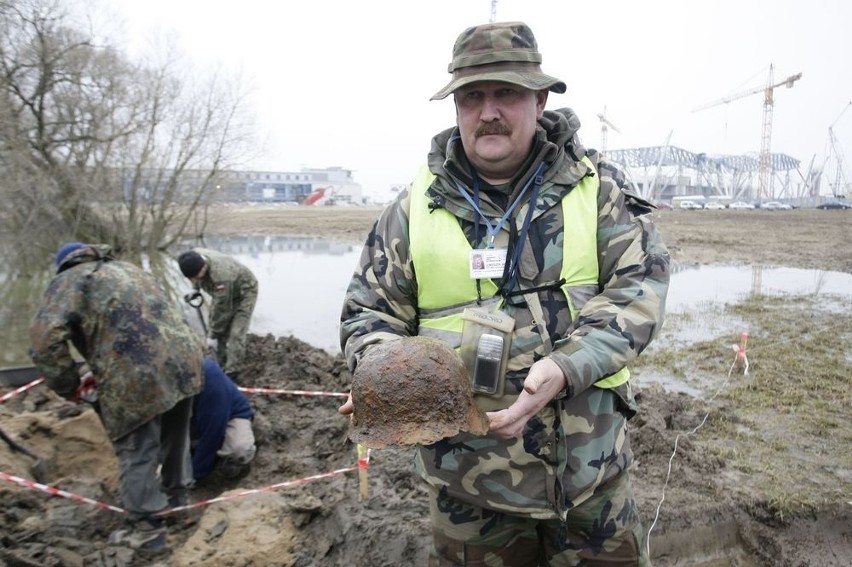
x=232, y=347
x=604, y=530
x=163, y=441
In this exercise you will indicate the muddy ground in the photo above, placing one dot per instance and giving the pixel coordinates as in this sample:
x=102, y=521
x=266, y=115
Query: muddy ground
x=754, y=470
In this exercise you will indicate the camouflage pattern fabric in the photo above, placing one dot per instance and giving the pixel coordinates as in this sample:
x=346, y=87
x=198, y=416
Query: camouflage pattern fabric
x=605, y=530
x=501, y=51
x=143, y=355
x=233, y=291
x=576, y=443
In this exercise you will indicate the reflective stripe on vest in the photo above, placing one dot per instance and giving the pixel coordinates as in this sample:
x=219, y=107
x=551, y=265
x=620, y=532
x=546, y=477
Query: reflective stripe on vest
x=440, y=253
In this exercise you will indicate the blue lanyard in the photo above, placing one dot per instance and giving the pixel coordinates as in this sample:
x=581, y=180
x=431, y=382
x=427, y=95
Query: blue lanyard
x=493, y=229
x=536, y=181
x=509, y=283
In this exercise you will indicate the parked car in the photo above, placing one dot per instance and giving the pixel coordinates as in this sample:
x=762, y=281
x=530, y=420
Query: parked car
x=776, y=206
x=833, y=204
x=690, y=205
x=715, y=205
x=740, y=205
x=663, y=205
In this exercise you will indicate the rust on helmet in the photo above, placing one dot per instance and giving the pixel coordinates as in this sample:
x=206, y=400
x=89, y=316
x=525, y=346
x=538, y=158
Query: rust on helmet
x=412, y=390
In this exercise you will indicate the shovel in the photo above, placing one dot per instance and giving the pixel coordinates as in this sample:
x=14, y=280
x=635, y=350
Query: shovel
x=39, y=468
x=196, y=300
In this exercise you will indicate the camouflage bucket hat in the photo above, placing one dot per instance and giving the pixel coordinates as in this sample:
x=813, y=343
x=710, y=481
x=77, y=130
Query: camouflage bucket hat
x=505, y=52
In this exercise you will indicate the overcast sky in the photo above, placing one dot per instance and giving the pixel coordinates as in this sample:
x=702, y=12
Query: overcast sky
x=347, y=83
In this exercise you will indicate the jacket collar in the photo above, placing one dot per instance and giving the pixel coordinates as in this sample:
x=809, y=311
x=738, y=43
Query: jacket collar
x=556, y=144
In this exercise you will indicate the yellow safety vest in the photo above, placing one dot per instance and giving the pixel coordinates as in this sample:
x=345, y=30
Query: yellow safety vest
x=441, y=255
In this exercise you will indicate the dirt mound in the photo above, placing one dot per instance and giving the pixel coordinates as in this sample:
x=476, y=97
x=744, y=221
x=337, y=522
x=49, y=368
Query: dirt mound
x=275, y=515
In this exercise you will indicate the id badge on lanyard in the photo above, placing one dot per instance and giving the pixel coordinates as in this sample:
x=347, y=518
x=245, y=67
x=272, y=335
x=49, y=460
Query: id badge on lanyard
x=487, y=263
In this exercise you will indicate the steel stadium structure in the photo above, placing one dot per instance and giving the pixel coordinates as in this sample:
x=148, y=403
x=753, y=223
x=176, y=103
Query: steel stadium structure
x=664, y=172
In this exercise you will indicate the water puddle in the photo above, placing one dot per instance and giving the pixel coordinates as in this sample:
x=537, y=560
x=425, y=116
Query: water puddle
x=696, y=309
x=303, y=280
x=694, y=285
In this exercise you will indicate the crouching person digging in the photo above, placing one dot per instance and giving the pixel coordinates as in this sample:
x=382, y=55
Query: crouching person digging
x=223, y=443
x=146, y=364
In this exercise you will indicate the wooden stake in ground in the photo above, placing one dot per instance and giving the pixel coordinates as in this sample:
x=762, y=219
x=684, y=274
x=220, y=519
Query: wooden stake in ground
x=363, y=484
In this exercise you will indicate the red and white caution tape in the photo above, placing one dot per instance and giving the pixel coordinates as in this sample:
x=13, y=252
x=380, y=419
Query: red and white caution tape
x=57, y=492
x=22, y=389
x=38, y=381
x=362, y=464
x=291, y=392
x=363, y=461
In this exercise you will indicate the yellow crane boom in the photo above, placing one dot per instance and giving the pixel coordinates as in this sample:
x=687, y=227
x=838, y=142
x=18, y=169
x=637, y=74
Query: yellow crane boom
x=834, y=150
x=763, y=188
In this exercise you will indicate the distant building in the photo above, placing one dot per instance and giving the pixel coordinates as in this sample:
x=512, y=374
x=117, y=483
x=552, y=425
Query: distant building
x=288, y=186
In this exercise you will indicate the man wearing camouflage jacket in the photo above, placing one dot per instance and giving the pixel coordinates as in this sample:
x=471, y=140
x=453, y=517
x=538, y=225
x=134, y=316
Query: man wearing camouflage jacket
x=146, y=363
x=582, y=272
x=233, y=290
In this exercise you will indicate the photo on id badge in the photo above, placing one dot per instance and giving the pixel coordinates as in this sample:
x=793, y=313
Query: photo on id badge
x=487, y=263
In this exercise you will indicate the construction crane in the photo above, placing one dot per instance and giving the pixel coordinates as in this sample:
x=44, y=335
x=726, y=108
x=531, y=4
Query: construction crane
x=835, y=150
x=763, y=189
x=605, y=126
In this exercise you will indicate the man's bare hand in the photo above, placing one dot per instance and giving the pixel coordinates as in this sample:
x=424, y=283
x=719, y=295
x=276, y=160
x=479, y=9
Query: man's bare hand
x=543, y=382
x=348, y=407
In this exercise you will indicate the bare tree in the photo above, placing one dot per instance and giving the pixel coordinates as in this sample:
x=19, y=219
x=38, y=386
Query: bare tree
x=97, y=147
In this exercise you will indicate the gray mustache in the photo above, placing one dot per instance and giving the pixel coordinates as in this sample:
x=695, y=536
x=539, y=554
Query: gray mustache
x=490, y=128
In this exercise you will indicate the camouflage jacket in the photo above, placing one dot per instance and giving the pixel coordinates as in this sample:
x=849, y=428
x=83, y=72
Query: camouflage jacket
x=143, y=355
x=577, y=442
x=230, y=285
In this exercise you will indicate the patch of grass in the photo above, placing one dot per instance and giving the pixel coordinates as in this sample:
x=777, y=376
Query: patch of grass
x=785, y=425
x=662, y=359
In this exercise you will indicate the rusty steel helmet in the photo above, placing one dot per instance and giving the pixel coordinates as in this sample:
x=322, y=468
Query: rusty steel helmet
x=412, y=390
